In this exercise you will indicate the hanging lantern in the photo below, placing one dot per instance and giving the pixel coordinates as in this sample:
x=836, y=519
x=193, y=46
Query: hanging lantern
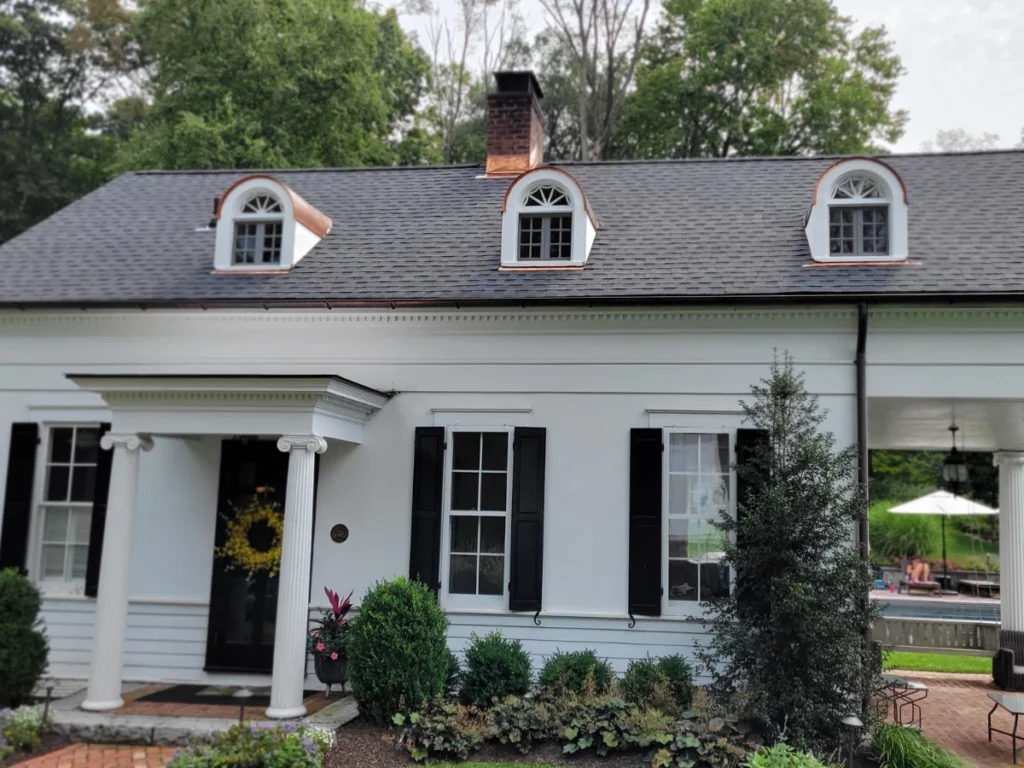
x=954, y=467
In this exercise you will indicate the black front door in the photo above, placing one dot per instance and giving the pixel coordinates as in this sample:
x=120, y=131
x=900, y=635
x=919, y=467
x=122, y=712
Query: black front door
x=243, y=607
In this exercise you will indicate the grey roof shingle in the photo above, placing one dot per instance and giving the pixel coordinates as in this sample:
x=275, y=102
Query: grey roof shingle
x=672, y=231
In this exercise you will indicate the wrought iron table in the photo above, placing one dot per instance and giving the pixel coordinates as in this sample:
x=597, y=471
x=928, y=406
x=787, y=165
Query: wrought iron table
x=1014, y=704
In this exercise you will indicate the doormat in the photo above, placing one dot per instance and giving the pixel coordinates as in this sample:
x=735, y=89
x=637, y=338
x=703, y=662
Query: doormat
x=212, y=695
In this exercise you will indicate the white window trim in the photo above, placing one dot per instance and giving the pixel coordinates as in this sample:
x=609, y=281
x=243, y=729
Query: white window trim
x=473, y=602
x=683, y=608
x=261, y=235
x=817, y=228
x=33, y=561
x=583, y=231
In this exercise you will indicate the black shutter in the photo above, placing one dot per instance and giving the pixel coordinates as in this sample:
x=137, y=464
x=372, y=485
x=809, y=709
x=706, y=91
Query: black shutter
x=427, y=484
x=645, y=449
x=99, y=517
x=747, y=443
x=525, y=588
x=21, y=470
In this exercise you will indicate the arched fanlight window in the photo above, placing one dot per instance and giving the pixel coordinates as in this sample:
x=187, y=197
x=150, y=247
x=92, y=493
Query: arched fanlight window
x=858, y=216
x=545, y=232
x=258, y=231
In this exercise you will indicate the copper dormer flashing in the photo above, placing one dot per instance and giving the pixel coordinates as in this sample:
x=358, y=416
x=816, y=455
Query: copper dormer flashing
x=569, y=176
x=817, y=184
x=305, y=214
x=515, y=124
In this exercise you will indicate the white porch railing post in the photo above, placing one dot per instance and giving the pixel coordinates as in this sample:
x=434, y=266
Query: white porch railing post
x=1011, y=540
x=111, y=613
x=289, y=673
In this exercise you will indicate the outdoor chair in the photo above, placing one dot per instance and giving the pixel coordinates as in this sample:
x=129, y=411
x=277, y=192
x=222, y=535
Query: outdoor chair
x=1006, y=672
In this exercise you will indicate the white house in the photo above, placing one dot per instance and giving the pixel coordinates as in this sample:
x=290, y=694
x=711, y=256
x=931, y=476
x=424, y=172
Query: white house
x=517, y=382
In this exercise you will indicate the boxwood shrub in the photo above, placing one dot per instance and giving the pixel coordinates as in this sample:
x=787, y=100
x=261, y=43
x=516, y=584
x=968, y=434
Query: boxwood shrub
x=579, y=672
x=495, y=668
x=398, y=658
x=23, y=649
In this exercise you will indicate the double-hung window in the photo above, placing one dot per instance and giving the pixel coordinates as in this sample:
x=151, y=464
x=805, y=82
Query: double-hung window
x=65, y=508
x=477, y=500
x=697, y=490
x=258, y=232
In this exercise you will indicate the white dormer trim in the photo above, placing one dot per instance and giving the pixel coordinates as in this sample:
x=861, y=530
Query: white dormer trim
x=584, y=224
x=297, y=239
x=893, y=195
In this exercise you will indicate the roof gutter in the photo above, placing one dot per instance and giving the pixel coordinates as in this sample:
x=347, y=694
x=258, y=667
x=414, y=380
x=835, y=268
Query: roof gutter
x=930, y=299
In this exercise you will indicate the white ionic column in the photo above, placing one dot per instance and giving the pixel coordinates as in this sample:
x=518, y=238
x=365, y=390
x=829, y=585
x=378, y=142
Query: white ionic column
x=289, y=672
x=1011, y=539
x=111, y=613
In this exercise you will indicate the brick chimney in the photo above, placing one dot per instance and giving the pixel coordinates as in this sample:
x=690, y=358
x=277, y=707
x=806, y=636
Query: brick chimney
x=515, y=125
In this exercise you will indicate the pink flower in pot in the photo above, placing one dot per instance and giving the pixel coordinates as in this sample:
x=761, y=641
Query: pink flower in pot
x=334, y=656
x=320, y=646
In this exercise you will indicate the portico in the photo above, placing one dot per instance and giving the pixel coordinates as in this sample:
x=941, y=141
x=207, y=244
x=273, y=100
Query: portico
x=304, y=414
x=997, y=426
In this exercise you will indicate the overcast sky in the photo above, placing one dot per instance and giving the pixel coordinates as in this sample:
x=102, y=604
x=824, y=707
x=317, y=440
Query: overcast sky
x=964, y=61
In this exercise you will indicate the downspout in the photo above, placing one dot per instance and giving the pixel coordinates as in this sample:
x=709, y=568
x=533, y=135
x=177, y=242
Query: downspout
x=863, y=466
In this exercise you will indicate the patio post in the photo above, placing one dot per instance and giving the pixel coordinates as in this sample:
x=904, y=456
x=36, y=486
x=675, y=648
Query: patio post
x=1011, y=546
x=111, y=613
x=289, y=672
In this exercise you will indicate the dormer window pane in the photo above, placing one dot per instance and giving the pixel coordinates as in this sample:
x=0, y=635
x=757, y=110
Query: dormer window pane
x=859, y=230
x=545, y=237
x=257, y=242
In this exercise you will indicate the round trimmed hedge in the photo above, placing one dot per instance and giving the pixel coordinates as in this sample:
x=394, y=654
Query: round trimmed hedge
x=495, y=669
x=397, y=654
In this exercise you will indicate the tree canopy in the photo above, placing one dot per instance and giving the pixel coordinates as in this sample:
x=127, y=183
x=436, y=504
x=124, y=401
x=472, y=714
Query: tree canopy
x=761, y=77
x=290, y=83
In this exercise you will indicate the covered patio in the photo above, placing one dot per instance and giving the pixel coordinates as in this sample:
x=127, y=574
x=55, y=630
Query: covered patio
x=993, y=425
x=305, y=415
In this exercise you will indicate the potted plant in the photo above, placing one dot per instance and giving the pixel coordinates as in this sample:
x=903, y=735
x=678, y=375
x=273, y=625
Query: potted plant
x=328, y=642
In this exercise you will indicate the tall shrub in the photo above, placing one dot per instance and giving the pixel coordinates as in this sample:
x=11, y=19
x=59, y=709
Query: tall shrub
x=23, y=648
x=790, y=635
x=895, y=536
x=398, y=657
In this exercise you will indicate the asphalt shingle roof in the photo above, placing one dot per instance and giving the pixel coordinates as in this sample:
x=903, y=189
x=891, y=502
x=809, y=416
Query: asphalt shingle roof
x=674, y=231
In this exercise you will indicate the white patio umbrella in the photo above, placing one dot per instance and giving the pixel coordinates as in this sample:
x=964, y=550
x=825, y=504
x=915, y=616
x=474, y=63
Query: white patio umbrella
x=944, y=504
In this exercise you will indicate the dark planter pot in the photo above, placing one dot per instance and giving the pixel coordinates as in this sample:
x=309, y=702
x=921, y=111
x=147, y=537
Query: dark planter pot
x=331, y=672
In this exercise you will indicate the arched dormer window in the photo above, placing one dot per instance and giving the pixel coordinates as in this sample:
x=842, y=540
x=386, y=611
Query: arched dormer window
x=258, y=231
x=546, y=221
x=263, y=225
x=859, y=214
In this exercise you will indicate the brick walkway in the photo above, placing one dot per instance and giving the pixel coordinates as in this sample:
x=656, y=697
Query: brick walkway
x=102, y=756
x=956, y=716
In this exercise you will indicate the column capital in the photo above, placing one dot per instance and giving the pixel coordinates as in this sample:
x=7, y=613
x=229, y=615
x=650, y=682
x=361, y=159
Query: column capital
x=311, y=443
x=1008, y=458
x=130, y=442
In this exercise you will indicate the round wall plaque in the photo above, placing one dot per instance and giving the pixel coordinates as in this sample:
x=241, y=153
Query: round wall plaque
x=339, y=533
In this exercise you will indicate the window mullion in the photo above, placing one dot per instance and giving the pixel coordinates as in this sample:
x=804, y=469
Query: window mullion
x=545, y=237
x=858, y=231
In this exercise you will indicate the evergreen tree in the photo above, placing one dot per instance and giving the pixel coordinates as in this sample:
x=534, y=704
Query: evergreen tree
x=790, y=636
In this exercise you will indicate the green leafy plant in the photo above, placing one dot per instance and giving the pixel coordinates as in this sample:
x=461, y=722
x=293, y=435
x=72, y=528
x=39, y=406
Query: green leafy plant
x=443, y=731
x=292, y=745
x=680, y=679
x=495, y=669
x=23, y=648
x=897, y=746
x=329, y=636
x=398, y=656
x=579, y=672
x=782, y=755
x=797, y=568
x=22, y=728
x=717, y=742
x=524, y=722
x=453, y=678
x=603, y=724
x=646, y=685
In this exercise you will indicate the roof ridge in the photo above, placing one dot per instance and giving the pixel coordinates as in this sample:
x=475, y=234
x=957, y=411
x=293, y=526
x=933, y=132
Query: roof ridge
x=244, y=171
x=784, y=158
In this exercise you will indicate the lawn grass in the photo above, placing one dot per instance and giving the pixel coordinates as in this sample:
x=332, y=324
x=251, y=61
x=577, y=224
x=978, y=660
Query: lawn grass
x=959, y=545
x=938, y=662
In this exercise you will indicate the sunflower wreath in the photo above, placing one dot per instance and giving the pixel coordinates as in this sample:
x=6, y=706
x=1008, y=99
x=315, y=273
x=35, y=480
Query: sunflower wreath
x=237, y=548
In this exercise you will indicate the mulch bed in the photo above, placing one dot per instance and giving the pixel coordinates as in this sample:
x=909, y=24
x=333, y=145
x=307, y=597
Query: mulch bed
x=49, y=742
x=369, y=746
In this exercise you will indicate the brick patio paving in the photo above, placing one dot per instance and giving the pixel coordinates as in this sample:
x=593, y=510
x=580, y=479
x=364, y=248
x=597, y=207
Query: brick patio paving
x=956, y=716
x=102, y=756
